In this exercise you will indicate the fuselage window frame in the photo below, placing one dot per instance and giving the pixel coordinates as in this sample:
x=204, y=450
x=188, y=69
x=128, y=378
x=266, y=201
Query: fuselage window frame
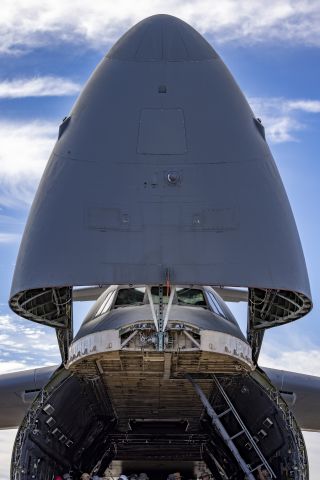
x=215, y=305
x=106, y=304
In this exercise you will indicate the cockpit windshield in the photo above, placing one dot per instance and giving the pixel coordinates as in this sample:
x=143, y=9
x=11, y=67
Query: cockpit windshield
x=191, y=297
x=130, y=296
x=184, y=296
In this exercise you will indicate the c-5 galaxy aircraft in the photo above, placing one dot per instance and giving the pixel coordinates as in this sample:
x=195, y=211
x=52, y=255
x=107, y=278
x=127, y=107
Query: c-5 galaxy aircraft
x=161, y=201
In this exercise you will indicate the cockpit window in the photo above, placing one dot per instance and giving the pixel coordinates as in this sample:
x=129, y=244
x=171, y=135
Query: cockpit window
x=106, y=304
x=214, y=305
x=130, y=296
x=191, y=297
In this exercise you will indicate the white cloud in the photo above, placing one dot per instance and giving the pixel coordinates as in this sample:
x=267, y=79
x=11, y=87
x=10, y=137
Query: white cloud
x=311, y=106
x=6, y=324
x=12, y=366
x=47, y=86
x=282, y=129
x=312, y=440
x=24, y=151
x=23, y=345
x=9, y=237
x=300, y=361
x=286, y=348
x=7, y=438
x=20, y=338
x=282, y=117
x=26, y=24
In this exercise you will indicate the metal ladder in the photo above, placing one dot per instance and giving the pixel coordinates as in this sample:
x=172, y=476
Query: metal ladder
x=225, y=435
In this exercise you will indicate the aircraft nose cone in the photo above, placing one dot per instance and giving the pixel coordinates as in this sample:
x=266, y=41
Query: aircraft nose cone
x=162, y=38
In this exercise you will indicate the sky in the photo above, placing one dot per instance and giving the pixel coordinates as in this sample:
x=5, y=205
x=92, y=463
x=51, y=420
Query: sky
x=49, y=48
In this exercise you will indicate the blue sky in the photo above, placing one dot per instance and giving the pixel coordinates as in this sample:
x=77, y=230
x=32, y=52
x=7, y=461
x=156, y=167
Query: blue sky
x=49, y=48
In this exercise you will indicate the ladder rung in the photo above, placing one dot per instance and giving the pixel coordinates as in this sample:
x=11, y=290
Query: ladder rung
x=224, y=413
x=237, y=434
